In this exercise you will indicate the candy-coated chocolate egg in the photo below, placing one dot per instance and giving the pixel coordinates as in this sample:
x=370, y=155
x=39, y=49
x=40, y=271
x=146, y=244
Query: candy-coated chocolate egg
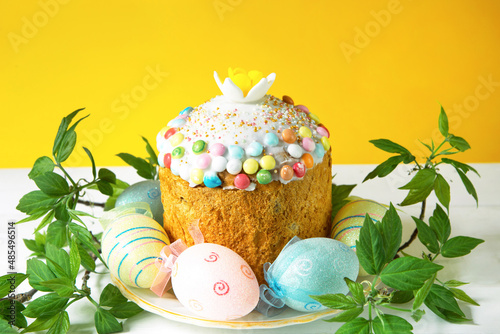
x=145, y=191
x=349, y=220
x=214, y=282
x=130, y=246
x=288, y=136
x=295, y=150
x=314, y=266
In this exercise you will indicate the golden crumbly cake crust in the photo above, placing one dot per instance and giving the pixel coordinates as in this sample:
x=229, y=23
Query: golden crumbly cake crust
x=255, y=224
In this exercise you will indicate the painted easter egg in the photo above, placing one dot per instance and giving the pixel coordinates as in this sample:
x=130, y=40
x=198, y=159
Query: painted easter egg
x=349, y=220
x=145, y=191
x=314, y=266
x=130, y=246
x=214, y=282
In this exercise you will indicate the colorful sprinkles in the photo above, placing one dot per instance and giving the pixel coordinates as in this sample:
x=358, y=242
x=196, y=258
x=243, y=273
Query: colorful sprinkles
x=257, y=143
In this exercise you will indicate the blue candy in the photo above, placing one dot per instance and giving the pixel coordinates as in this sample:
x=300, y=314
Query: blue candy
x=319, y=151
x=186, y=111
x=236, y=151
x=270, y=139
x=211, y=180
x=176, y=122
x=254, y=149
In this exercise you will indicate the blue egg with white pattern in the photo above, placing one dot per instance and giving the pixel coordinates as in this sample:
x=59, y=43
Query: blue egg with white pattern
x=236, y=152
x=254, y=149
x=211, y=180
x=145, y=191
x=176, y=122
x=130, y=245
x=186, y=111
x=314, y=266
x=270, y=139
x=319, y=151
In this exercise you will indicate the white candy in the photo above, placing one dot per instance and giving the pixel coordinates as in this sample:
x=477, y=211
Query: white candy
x=234, y=166
x=185, y=173
x=295, y=150
x=219, y=163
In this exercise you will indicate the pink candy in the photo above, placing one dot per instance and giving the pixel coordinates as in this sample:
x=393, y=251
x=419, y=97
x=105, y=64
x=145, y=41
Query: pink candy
x=299, y=169
x=323, y=131
x=308, y=144
x=217, y=149
x=303, y=108
x=203, y=161
x=241, y=181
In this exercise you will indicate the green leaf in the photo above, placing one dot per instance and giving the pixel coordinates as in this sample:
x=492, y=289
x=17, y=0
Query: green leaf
x=111, y=296
x=85, y=237
x=9, y=281
x=5, y=328
x=356, y=290
x=454, y=283
x=401, y=297
x=125, y=310
x=45, y=306
x=35, y=200
x=63, y=286
x=427, y=236
x=105, y=187
x=440, y=224
x=460, y=294
x=10, y=310
x=339, y=195
x=408, y=273
x=107, y=175
x=385, y=168
x=389, y=146
x=420, y=186
x=443, y=123
x=46, y=220
x=86, y=260
x=468, y=185
x=422, y=293
x=52, y=184
x=442, y=190
x=61, y=211
x=426, y=145
x=38, y=272
x=58, y=261
x=391, y=324
x=370, y=248
x=417, y=315
x=336, y=301
x=355, y=326
x=62, y=130
x=61, y=325
x=346, y=315
x=459, y=165
x=74, y=259
x=42, y=165
x=56, y=233
x=66, y=147
x=105, y=322
x=459, y=246
x=151, y=151
x=443, y=298
x=143, y=168
x=40, y=324
x=459, y=143
x=91, y=157
x=33, y=246
x=34, y=216
x=392, y=233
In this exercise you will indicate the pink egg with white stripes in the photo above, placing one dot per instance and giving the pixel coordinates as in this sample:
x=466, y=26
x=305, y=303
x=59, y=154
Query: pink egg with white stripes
x=214, y=282
x=130, y=246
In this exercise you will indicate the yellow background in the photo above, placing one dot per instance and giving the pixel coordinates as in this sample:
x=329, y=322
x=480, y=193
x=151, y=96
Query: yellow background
x=368, y=69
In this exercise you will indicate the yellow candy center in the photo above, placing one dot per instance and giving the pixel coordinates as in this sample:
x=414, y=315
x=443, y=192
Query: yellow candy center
x=243, y=79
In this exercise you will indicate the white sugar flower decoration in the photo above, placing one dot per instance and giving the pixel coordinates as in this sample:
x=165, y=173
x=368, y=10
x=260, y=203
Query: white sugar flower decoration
x=243, y=86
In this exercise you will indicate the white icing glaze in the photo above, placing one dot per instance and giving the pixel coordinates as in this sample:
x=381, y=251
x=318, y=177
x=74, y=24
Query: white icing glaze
x=221, y=120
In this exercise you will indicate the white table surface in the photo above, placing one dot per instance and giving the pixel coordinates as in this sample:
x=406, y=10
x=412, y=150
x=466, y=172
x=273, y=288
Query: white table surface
x=481, y=267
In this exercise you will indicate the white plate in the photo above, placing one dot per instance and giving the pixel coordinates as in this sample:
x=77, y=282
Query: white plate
x=169, y=307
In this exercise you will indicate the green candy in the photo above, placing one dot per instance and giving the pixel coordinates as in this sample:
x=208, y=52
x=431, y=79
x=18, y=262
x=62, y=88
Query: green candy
x=178, y=152
x=264, y=176
x=199, y=146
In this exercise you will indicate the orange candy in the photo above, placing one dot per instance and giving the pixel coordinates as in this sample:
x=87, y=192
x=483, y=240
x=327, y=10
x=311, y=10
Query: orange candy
x=289, y=136
x=307, y=159
x=287, y=99
x=286, y=172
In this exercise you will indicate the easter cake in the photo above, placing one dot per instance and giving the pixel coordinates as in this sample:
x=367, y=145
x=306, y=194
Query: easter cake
x=253, y=170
